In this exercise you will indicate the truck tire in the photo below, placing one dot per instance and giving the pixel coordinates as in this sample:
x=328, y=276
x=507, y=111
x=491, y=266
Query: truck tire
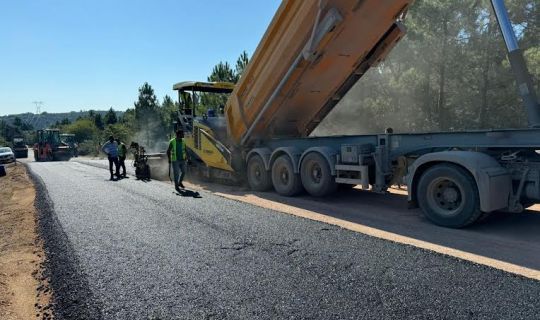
x=285, y=181
x=258, y=178
x=448, y=196
x=316, y=175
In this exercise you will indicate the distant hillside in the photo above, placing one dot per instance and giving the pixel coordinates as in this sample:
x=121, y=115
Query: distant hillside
x=45, y=120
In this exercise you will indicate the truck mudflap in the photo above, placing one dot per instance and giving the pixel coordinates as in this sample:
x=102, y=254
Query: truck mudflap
x=494, y=183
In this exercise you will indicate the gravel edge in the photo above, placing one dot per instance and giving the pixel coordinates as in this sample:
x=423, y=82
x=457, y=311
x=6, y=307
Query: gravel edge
x=72, y=298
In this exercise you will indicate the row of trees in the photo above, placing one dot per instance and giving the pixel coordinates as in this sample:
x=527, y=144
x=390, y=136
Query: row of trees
x=450, y=72
x=17, y=128
x=150, y=122
x=223, y=72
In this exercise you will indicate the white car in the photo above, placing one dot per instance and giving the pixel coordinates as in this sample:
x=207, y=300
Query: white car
x=6, y=155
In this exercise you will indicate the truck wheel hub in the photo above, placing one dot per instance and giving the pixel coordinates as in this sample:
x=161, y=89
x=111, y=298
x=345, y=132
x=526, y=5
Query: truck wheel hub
x=445, y=196
x=316, y=173
x=284, y=176
x=450, y=195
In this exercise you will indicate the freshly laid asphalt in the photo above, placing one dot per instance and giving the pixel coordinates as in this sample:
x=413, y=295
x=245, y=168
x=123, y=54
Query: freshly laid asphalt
x=136, y=250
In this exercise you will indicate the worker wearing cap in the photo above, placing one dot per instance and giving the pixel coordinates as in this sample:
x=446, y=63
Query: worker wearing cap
x=122, y=151
x=110, y=148
x=177, y=158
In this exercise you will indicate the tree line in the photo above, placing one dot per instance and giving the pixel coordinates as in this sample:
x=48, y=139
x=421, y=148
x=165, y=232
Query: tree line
x=449, y=73
x=149, y=122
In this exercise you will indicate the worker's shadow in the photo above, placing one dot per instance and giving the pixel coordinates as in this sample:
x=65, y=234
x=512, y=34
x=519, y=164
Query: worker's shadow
x=188, y=193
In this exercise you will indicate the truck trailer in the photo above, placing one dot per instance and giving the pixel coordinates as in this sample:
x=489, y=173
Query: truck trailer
x=312, y=53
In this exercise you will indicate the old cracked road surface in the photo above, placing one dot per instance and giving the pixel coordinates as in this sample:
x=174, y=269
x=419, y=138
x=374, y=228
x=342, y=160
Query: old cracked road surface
x=135, y=250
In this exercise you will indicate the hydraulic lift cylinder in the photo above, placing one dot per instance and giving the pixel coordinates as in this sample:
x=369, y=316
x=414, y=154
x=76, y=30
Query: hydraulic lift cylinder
x=517, y=62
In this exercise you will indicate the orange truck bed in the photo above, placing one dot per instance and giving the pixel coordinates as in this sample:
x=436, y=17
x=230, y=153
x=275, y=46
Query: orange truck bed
x=310, y=56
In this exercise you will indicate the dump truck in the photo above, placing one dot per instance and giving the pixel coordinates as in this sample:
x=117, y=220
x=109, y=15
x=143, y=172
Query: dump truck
x=312, y=53
x=49, y=146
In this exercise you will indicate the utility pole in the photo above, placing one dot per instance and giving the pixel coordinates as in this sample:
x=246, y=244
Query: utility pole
x=36, y=115
x=38, y=104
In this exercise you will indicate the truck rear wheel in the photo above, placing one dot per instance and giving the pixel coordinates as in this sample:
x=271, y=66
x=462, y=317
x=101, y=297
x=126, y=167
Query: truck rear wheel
x=448, y=196
x=258, y=178
x=316, y=175
x=285, y=181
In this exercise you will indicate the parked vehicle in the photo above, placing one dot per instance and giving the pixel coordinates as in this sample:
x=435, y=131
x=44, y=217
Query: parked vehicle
x=7, y=155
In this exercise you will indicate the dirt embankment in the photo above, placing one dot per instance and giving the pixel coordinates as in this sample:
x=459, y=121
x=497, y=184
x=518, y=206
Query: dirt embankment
x=24, y=292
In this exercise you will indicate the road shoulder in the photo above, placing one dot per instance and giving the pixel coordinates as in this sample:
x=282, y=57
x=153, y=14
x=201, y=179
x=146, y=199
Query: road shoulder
x=72, y=297
x=24, y=290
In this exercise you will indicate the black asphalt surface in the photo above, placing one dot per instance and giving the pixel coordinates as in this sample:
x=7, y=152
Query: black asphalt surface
x=503, y=236
x=136, y=250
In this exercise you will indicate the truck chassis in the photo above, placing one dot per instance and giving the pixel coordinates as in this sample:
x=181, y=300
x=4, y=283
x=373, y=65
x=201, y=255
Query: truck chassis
x=453, y=177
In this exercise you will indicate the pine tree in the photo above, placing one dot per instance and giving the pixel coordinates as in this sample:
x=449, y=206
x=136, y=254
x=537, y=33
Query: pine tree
x=222, y=72
x=98, y=121
x=110, y=117
x=241, y=65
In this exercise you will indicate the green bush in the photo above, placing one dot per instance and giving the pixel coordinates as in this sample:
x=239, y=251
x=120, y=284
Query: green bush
x=88, y=148
x=84, y=129
x=119, y=131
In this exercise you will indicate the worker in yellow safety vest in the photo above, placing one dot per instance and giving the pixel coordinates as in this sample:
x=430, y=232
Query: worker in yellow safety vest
x=177, y=158
x=122, y=152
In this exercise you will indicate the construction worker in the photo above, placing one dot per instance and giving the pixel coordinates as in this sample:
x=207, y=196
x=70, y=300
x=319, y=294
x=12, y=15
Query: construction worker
x=110, y=148
x=177, y=158
x=122, y=152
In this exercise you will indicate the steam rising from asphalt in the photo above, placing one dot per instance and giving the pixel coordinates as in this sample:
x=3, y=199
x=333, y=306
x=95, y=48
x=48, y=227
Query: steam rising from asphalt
x=151, y=134
x=159, y=169
x=153, y=137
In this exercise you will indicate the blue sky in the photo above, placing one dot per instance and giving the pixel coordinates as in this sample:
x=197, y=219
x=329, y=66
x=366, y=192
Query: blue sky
x=95, y=54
